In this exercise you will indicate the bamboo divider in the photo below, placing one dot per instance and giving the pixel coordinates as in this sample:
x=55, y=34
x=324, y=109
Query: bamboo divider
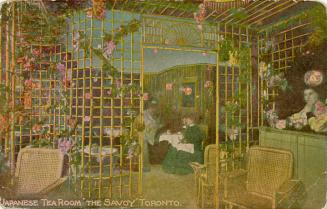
x=287, y=45
x=13, y=85
x=7, y=65
x=103, y=179
x=217, y=121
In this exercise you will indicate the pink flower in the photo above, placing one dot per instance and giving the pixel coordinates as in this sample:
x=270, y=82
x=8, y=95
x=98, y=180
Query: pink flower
x=64, y=145
x=27, y=63
x=281, y=124
x=36, y=52
x=88, y=96
x=4, y=123
x=320, y=108
x=75, y=44
x=118, y=83
x=66, y=82
x=87, y=118
x=188, y=91
x=61, y=68
x=28, y=83
x=207, y=84
x=146, y=96
x=100, y=13
x=31, y=85
x=169, y=86
x=89, y=12
x=155, y=51
x=200, y=15
x=109, y=92
x=109, y=48
x=36, y=128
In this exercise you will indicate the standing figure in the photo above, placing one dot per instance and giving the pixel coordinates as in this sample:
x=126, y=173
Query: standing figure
x=150, y=127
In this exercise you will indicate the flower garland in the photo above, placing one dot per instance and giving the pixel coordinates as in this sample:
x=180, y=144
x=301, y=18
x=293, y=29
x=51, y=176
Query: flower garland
x=98, y=9
x=200, y=16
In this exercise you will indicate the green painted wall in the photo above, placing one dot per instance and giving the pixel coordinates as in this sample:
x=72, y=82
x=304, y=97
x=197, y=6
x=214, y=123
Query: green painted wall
x=155, y=84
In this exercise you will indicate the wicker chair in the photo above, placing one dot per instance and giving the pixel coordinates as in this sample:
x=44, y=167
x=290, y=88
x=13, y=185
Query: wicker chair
x=205, y=176
x=268, y=181
x=38, y=171
x=205, y=130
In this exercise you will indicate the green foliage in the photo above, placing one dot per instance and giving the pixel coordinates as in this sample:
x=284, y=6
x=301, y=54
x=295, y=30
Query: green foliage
x=317, y=16
x=3, y=166
x=159, y=4
x=40, y=29
x=75, y=153
x=108, y=69
x=123, y=31
x=5, y=12
x=238, y=13
x=225, y=46
x=46, y=143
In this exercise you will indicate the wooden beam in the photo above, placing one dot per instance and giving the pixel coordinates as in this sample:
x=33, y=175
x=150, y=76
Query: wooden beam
x=269, y=13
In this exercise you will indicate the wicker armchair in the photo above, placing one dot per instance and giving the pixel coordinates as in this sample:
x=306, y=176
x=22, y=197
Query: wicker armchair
x=38, y=171
x=205, y=176
x=205, y=130
x=268, y=181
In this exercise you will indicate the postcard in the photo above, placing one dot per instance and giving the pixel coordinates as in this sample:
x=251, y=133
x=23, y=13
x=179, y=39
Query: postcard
x=163, y=104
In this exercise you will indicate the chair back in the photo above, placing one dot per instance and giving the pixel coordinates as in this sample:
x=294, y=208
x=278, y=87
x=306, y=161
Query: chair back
x=210, y=161
x=37, y=169
x=205, y=130
x=268, y=169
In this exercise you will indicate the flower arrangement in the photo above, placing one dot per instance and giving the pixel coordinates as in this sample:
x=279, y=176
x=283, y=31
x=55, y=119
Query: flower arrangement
x=271, y=117
x=298, y=121
x=273, y=78
x=199, y=16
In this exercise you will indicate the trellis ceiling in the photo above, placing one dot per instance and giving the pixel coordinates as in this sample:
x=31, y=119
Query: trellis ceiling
x=254, y=13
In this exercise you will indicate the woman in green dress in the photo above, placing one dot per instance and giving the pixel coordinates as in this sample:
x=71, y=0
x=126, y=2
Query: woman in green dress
x=177, y=161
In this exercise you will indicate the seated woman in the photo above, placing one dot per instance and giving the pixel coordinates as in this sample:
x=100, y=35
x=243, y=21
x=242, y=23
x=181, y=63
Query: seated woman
x=317, y=114
x=177, y=160
x=313, y=114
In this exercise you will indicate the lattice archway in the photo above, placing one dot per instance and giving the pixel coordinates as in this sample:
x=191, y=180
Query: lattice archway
x=178, y=35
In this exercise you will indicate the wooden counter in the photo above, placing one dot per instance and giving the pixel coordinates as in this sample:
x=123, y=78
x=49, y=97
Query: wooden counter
x=310, y=156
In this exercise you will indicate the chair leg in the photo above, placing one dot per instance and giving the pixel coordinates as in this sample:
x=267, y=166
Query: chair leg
x=202, y=197
x=199, y=193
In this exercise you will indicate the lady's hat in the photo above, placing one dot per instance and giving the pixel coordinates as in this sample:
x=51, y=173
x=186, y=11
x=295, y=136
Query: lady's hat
x=313, y=78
